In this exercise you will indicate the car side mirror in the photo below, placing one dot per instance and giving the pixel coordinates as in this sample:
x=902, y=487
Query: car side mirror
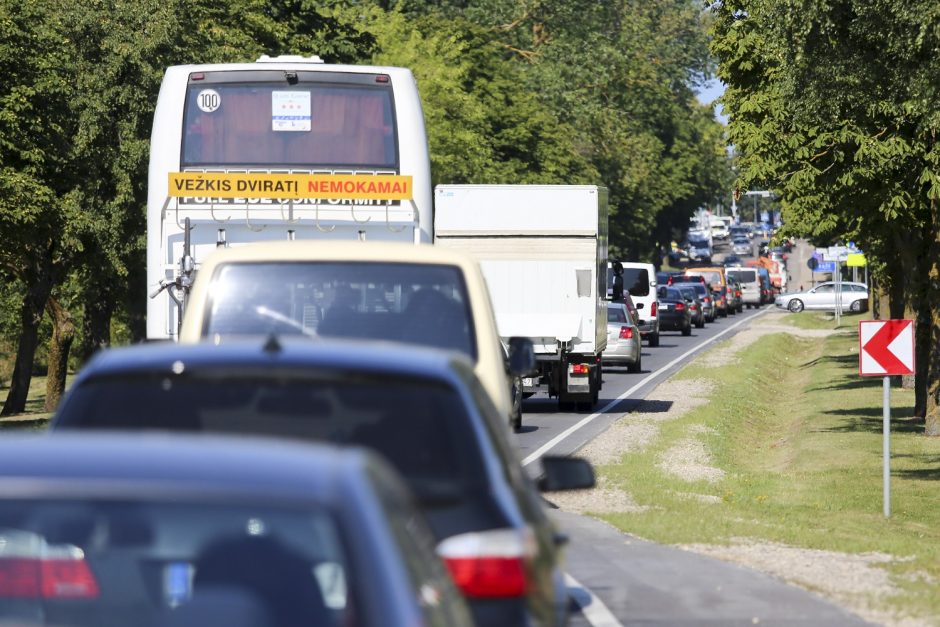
x=565, y=473
x=521, y=356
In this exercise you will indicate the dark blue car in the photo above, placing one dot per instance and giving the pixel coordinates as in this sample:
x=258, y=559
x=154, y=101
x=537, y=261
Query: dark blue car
x=102, y=530
x=423, y=409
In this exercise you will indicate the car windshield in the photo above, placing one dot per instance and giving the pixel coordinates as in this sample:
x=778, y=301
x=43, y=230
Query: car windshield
x=687, y=293
x=104, y=563
x=616, y=314
x=421, y=427
x=412, y=303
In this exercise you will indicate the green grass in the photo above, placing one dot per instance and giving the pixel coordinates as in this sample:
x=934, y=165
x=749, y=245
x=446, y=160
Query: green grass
x=35, y=417
x=798, y=434
x=823, y=320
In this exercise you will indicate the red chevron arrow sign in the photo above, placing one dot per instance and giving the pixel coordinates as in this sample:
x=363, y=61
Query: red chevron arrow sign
x=886, y=347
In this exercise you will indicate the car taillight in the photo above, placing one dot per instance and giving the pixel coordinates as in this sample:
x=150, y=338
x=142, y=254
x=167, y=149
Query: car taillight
x=708, y=299
x=738, y=293
x=680, y=306
x=490, y=564
x=626, y=333
x=68, y=578
x=653, y=309
x=579, y=369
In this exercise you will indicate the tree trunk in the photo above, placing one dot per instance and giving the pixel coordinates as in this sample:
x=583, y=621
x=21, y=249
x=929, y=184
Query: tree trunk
x=63, y=333
x=96, y=322
x=931, y=311
x=34, y=302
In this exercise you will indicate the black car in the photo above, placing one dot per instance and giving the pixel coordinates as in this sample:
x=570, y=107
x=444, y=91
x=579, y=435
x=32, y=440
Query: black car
x=423, y=409
x=674, y=313
x=705, y=297
x=696, y=306
x=102, y=530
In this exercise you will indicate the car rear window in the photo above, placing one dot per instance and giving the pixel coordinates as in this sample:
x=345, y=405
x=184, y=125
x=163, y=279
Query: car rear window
x=413, y=303
x=616, y=314
x=421, y=427
x=698, y=288
x=103, y=563
x=743, y=276
x=636, y=281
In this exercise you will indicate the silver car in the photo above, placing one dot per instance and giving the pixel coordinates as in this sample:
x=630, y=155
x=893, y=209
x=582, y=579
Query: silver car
x=823, y=296
x=741, y=246
x=623, y=339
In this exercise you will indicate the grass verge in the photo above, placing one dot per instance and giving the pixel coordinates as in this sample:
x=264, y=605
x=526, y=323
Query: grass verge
x=797, y=434
x=35, y=417
x=823, y=320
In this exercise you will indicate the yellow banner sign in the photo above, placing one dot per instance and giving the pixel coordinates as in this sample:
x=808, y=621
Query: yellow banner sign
x=856, y=260
x=290, y=186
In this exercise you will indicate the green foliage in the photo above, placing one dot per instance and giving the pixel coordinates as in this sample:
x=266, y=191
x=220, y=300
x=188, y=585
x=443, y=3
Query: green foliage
x=620, y=76
x=529, y=91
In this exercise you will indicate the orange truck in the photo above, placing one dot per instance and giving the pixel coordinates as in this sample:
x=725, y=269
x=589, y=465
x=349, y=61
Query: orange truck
x=773, y=269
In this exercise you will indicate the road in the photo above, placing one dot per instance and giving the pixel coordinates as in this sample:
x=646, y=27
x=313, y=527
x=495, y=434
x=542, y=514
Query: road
x=616, y=579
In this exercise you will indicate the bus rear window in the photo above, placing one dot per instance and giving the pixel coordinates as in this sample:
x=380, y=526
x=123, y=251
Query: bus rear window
x=307, y=124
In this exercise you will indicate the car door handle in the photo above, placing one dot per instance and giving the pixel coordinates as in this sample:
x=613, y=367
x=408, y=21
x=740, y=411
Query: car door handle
x=560, y=539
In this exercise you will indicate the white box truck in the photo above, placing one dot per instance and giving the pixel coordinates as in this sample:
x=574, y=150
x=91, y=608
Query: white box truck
x=543, y=252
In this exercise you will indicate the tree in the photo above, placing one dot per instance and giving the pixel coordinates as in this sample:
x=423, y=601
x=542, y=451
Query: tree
x=832, y=104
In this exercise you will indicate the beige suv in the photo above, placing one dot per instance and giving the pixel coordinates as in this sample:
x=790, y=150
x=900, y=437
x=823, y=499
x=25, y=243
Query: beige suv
x=355, y=290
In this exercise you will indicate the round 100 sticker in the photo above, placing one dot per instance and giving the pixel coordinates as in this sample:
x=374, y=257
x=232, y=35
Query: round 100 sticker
x=208, y=100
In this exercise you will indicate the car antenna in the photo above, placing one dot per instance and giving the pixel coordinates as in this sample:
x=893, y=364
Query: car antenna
x=272, y=345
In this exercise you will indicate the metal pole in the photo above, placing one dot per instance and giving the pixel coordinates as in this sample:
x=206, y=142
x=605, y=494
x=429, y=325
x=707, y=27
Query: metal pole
x=887, y=448
x=838, y=291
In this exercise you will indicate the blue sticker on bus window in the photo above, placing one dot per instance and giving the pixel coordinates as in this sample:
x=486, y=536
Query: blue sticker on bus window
x=290, y=110
x=177, y=583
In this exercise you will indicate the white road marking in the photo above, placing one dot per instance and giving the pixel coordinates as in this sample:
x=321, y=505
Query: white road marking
x=586, y=420
x=594, y=611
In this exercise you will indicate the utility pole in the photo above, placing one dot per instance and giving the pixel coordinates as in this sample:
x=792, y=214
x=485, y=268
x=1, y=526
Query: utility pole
x=755, y=194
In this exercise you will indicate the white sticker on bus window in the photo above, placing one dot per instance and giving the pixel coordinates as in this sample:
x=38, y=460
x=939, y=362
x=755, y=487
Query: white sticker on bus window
x=208, y=100
x=290, y=110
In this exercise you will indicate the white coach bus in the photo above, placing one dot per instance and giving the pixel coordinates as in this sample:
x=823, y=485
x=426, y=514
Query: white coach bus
x=283, y=148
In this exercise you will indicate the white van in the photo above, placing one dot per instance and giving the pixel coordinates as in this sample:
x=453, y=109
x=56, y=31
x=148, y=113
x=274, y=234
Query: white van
x=639, y=279
x=750, y=284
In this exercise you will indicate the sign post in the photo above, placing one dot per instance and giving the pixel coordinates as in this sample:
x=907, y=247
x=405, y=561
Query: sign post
x=886, y=349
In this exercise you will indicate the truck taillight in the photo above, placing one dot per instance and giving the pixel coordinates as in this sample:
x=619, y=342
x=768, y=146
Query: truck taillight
x=31, y=578
x=490, y=564
x=579, y=369
x=626, y=333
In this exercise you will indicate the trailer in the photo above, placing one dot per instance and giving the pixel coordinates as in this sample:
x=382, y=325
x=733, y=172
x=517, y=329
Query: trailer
x=543, y=252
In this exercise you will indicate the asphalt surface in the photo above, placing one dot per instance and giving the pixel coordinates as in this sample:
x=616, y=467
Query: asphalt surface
x=616, y=579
